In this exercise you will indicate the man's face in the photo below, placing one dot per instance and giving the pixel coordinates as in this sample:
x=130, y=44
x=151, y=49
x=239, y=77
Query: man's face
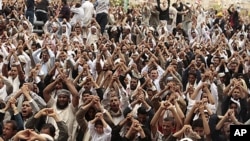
x=8, y=131
x=87, y=86
x=216, y=61
x=191, y=79
x=199, y=131
x=45, y=56
x=124, y=49
x=233, y=66
x=167, y=127
x=236, y=94
x=64, y=29
x=105, y=66
x=54, y=29
x=142, y=118
x=33, y=47
x=198, y=61
x=78, y=30
x=150, y=94
x=86, y=98
x=114, y=103
x=93, y=30
x=193, y=34
x=14, y=72
x=26, y=109
x=59, y=86
x=45, y=131
x=25, y=26
x=133, y=84
x=63, y=56
x=226, y=129
x=154, y=74
x=62, y=101
x=99, y=129
x=234, y=107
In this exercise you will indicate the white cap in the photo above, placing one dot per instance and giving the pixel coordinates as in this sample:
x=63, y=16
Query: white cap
x=48, y=137
x=25, y=22
x=75, y=40
x=222, y=74
x=117, y=61
x=151, y=28
x=127, y=27
x=197, y=115
x=188, y=4
x=54, y=24
x=114, y=28
x=186, y=139
x=93, y=27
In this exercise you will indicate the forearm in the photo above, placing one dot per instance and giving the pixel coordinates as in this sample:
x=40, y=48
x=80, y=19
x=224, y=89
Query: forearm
x=178, y=134
x=80, y=114
x=128, y=134
x=104, y=123
x=34, y=106
x=72, y=88
x=179, y=111
x=35, y=55
x=205, y=124
x=178, y=119
x=220, y=124
x=189, y=116
x=155, y=119
x=50, y=87
x=196, y=92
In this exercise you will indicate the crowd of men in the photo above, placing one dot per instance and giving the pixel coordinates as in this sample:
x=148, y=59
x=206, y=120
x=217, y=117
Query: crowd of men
x=163, y=71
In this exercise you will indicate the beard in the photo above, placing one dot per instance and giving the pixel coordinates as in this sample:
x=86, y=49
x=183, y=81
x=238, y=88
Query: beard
x=61, y=106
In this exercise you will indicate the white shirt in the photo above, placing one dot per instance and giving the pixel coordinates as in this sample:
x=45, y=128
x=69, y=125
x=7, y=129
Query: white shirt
x=106, y=136
x=92, y=38
x=89, y=11
x=78, y=15
x=157, y=80
x=3, y=93
x=46, y=66
x=15, y=82
x=67, y=115
x=102, y=6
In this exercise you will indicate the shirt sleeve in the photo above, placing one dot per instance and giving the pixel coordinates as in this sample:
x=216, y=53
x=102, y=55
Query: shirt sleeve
x=50, y=102
x=107, y=130
x=91, y=128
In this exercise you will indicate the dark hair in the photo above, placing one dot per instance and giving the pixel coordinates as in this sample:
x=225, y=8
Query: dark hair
x=2, y=104
x=197, y=123
x=142, y=110
x=78, y=5
x=14, y=124
x=171, y=119
x=133, y=77
x=174, y=5
x=51, y=127
x=192, y=73
x=86, y=92
x=98, y=122
x=64, y=1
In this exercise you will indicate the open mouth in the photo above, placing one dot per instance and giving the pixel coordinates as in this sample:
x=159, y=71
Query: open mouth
x=24, y=112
